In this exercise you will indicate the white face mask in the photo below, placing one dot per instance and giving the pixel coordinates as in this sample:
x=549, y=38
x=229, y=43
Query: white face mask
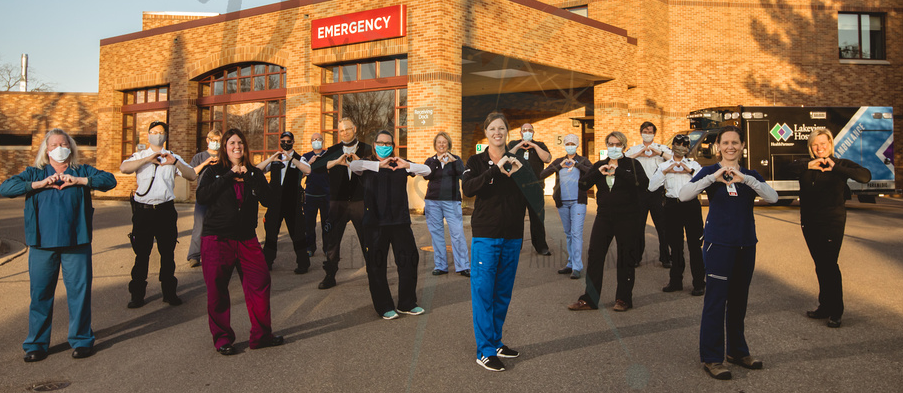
x=213, y=145
x=316, y=145
x=156, y=139
x=648, y=138
x=528, y=136
x=60, y=154
x=615, y=153
x=570, y=149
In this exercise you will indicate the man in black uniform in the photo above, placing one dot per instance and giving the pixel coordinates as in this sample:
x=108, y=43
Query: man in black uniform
x=346, y=195
x=537, y=154
x=286, y=168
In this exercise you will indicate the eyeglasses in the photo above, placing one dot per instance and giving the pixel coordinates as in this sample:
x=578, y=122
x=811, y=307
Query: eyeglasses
x=378, y=143
x=681, y=140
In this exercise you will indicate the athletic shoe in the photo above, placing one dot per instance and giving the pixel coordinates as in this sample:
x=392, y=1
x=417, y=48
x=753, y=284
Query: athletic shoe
x=491, y=363
x=390, y=315
x=414, y=311
x=194, y=262
x=505, y=352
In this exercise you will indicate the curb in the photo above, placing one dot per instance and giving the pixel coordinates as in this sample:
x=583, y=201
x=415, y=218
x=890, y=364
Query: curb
x=13, y=245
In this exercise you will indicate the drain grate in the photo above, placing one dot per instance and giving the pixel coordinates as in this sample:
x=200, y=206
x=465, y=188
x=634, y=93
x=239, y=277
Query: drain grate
x=49, y=386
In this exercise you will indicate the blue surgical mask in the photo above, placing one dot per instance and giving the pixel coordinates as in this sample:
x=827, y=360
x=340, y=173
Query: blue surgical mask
x=614, y=153
x=316, y=145
x=383, y=151
x=570, y=150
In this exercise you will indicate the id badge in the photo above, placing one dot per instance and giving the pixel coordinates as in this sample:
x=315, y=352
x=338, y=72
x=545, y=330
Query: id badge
x=526, y=155
x=732, y=189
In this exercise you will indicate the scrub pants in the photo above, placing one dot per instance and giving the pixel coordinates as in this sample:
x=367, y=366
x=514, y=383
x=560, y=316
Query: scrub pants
x=44, y=266
x=493, y=267
x=401, y=238
x=194, y=248
x=728, y=271
x=824, y=241
x=435, y=211
x=573, y=215
x=221, y=256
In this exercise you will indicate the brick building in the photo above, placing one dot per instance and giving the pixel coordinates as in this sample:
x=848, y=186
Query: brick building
x=419, y=67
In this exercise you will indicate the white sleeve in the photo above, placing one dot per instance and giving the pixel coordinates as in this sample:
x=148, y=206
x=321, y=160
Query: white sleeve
x=691, y=189
x=658, y=178
x=359, y=166
x=419, y=169
x=765, y=191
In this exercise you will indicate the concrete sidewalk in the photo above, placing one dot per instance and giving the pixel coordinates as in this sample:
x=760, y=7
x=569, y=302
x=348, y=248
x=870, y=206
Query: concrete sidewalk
x=336, y=342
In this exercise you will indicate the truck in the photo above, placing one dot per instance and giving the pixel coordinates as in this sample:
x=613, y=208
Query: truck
x=777, y=136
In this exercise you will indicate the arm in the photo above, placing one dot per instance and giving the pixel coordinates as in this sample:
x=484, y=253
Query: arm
x=212, y=185
x=97, y=179
x=542, y=151
x=359, y=166
x=584, y=165
x=185, y=170
x=134, y=163
x=20, y=184
x=853, y=171
x=554, y=167
x=592, y=177
x=258, y=182
x=419, y=169
x=471, y=182
x=699, y=183
x=657, y=180
x=301, y=164
x=762, y=188
x=666, y=153
x=639, y=175
x=434, y=165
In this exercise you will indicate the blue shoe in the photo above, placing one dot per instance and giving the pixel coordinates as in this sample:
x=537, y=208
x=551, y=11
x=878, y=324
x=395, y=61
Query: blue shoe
x=414, y=311
x=390, y=315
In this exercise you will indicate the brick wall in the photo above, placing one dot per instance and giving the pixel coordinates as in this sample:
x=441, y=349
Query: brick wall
x=152, y=20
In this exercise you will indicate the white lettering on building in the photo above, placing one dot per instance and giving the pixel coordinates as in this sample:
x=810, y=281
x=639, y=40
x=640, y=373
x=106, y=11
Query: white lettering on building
x=361, y=26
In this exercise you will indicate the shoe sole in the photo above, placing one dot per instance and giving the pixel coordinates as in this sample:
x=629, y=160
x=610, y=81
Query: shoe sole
x=489, y=368
x=390, y=318
x=410, y=312
x=507, y=356
x=721, y=377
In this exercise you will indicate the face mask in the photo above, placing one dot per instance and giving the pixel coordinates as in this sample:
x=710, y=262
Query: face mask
x=570, y=150
x=213, y=145
x=648, y=137
x=156, y=139
x=316, y=145
x=614, y=153
x=349, y=150
x=681, y=150
x=60, y=154
x=528, y=136
x=286, y=146
x=384, y=151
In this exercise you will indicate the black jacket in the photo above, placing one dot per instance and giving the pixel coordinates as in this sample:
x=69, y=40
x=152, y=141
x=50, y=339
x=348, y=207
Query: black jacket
x=500, y=204
x=385, y=197
x=444, y=182
x=341, y=187
x=583, y=165
x=823, y=194
x=630, y=180
x=224, y=216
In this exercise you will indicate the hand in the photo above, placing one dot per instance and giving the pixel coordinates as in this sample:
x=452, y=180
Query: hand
x=342, y=160
x=48, y=182
x=816, y=164
x=728, y=175
x=66, y=180
x=568, y=163
x=447, y=157
x=527, y=145
x=386, y=163
x=168, y=159
x=830, y=165
x=312, y=159
x=353, y=156
x=212, y=160
x=401, y=163
x=239, y=169
x=608, y=169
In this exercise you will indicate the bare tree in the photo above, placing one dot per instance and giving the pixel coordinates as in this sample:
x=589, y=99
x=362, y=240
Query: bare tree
x=10, y=75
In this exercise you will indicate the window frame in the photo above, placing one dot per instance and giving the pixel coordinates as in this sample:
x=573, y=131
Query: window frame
x=859, y=32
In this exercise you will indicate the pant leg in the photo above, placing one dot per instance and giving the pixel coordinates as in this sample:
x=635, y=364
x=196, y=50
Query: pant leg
x=404, y=247
x=537, y=231
x=504, y=286
x=219, y=258
x=142, y=240
x=643, y=197
x=294, y=220
x=824, y=242
x=377, y=262
x=324, y=218
x=194, y=248
x=455, y=220
x=719, y=267
x=43, y=273
x=312, y=206
x=674, y=218
x=692, y=220
x=335, y=229
x=737, y=299
x=272, y=223
x=434, y=214
x=599, y=242
x=255, y=281
x=485, y=254
x=575, y=240
x=625, y=238
x=660, y=222
x=77, y=277
x=564, y=212
x=356, y=215
x=166, y=233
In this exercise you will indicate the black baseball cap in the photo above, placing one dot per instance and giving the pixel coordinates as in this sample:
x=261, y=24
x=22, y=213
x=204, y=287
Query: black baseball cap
x=287, y=134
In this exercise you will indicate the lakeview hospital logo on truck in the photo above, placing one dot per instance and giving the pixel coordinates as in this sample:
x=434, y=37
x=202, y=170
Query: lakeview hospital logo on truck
x=781, y=132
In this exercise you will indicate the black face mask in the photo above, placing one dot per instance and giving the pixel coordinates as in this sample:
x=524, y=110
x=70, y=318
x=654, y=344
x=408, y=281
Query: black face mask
x=353, y=141
x=286, y=146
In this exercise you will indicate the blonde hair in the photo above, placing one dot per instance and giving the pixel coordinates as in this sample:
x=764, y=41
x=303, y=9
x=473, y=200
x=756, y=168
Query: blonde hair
x=620, y=136
x=444, y=135
x=214, y=132
x=42, y=160
x=816, y=133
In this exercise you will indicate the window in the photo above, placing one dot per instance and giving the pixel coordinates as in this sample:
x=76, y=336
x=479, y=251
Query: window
x=134, y=129
x=860, y=36
x=579, y=10
x=140, y=108
x=383, y=68
x=242, y=78
x=146, y=95
x=15, y=140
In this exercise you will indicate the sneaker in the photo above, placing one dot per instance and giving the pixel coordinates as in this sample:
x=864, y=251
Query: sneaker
x=194, y=262
x=414, y=311
x=621, y=305
x=575, y=275
x=717, y=371
x=491, y=363
x=465, y=273
x=505, y=352
x=390, y=315
x=746, y=362
x=438, y=272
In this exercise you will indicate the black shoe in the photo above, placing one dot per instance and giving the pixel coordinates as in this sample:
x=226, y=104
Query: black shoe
x=226, y=350
x=135, y=303
x=666, y=264
x=274, y=341
x=301, y=270
x=491, y=363
x=833, y=322
x=566, y=270
x=328, y=282
x=465, y=273
x=35, y=356
x=544, y=251
x=438, y=272
x=671, y=287
x=817, y=314
x=698, y=291
x=505, y=352
x=172, y=300
x=82, y=352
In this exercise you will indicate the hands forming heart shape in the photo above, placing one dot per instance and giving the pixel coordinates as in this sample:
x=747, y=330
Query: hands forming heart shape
x=729, y=175
x=568, y=163
x=394, y=163
x=825, y=164
x=512, y=164
x=59, y=181
x=608, y=169
x=164, y=158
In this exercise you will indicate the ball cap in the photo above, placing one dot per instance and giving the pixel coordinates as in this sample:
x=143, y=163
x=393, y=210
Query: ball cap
x=287, y=134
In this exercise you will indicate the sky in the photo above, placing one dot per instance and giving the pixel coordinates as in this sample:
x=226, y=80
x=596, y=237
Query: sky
x=62, y=37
